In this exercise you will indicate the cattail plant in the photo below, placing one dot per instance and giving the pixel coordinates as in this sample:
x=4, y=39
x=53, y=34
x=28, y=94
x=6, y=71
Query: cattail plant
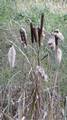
x=53, y=43
x=11, y=60
x=55, y=53
x=37, y=98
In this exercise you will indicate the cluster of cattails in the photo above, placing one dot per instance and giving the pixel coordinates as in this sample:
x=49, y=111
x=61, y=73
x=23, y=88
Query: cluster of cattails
x=37, y=104
x=37, y=32
x=36, y=35
x=53, y=43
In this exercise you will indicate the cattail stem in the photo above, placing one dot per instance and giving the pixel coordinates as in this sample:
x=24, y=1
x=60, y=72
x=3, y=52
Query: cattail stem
x=38, y=58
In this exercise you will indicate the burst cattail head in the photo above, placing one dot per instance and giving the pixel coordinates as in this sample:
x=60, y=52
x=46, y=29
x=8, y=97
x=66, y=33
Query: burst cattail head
x=59, y=35
x=40, y=72
x=58, y=56
x=51, y=42
x=23, y=118
x=12, y=56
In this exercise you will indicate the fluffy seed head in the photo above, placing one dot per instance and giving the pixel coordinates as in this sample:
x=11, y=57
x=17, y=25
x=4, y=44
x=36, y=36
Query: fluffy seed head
x=12, y=56
x=23, y=118
x=43, y=32
x=51, y=42
x=59, y=56
x=40, y=72
x=59, y=35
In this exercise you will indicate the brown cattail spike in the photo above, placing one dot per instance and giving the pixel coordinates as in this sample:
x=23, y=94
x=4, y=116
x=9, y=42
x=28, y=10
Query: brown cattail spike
x=40, y=30
x=35, y=33
x=42, y=21
x=23, y=36
x=56, y=40
x=31, y=28
x=39, y=36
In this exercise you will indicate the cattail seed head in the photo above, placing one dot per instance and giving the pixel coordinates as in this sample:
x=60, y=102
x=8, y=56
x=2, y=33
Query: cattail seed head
x=35, y=35
x=58, y=56
x=23, y=35
x=32, y=36
x=59, y=35
x=23, y=118
x=12, y=56
x=40, y=72
x=43, y=32
x=51, y=42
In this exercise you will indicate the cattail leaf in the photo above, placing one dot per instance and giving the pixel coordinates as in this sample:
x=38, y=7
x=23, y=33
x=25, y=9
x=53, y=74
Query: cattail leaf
x=46, y=55
x=12, y=56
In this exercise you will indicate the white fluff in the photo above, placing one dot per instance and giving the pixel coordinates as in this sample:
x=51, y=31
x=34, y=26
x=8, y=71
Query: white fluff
x=45, y=114
x=59, y=35
x=23, y=118
x=40, y=71
x=43, y=32
x=59, y=55
x=12, y=56
x=51, y=43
